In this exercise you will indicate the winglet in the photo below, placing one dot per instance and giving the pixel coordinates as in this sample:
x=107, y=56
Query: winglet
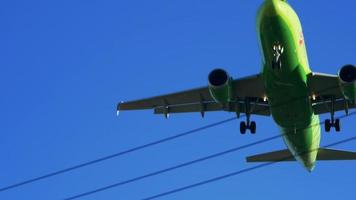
x=118, y=108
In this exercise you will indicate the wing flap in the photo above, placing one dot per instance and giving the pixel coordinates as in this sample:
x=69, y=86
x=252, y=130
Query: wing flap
x=325, y=107
x=210, y=106
x=258, y=108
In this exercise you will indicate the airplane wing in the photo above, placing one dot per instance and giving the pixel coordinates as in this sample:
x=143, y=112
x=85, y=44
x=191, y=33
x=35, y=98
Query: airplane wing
x=199, y=100
x=326, y=87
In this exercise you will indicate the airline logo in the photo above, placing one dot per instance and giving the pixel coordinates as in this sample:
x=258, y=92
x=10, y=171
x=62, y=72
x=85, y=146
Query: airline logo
x=301, y=39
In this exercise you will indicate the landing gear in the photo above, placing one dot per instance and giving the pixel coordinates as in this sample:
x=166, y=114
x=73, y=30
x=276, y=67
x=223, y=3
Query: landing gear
x=276, y=64
x=327, y=125
x=243, y=128
x=277, y=53
x=335, y=124
x=332, y=122
x=245, y=125
x=251, y=125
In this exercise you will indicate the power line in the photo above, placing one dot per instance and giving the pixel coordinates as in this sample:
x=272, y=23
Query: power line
x=188, y=163
x=180, y=135
x=115, y=155
x=171, y=168
x=234, y=173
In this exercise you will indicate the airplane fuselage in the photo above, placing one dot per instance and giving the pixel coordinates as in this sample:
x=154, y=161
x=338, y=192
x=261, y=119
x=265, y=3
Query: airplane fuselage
x=285, y=73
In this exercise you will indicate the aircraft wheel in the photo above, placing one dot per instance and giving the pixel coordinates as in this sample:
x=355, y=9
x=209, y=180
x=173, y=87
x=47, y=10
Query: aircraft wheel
x=327, y=125
x=253, y=127
x=243, y=127
x=337, y=125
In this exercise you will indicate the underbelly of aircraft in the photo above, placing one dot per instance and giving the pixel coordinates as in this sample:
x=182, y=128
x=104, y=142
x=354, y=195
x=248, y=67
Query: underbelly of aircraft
x=290, y=101
x=291, y=109
x=285, y=82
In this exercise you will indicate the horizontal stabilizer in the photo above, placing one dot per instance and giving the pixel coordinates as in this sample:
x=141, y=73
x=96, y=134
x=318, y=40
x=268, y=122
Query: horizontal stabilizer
x=276, y=156
x=285, y=155
x=330, y=154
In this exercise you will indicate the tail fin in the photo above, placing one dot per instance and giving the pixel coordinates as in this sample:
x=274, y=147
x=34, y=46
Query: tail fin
x=285, y=155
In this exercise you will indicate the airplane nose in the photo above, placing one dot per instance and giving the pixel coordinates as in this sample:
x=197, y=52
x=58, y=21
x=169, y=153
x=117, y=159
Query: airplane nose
x=275, y=6
x=272, y=7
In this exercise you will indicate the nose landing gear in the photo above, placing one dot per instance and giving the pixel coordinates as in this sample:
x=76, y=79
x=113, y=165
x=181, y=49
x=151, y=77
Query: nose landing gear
x=277, y=53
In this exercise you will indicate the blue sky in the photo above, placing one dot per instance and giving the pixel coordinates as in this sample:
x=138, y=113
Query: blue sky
x=65, y=65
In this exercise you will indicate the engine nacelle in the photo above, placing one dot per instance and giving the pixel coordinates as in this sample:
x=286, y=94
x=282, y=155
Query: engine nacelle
x=347, y=77
x=220, y=86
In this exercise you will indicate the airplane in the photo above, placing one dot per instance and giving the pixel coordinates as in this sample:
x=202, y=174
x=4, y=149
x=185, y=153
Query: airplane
x=285, y=89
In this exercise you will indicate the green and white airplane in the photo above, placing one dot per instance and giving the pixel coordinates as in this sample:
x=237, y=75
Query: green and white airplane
x=286, y=89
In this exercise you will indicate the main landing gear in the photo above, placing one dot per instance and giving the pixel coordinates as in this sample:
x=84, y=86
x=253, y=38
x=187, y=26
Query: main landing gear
x=332, y=122
x=248, y=125
x=251, y=125
x=329, y=123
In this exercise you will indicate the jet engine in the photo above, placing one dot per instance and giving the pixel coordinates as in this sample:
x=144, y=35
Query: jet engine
x=347, y=77
x=220, y=86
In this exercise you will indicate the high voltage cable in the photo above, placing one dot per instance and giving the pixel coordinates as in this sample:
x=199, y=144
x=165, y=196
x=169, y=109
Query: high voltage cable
x=190, y=163
x=115, y=155
x=171, y=168
x=219, y=178
x=180, y=135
